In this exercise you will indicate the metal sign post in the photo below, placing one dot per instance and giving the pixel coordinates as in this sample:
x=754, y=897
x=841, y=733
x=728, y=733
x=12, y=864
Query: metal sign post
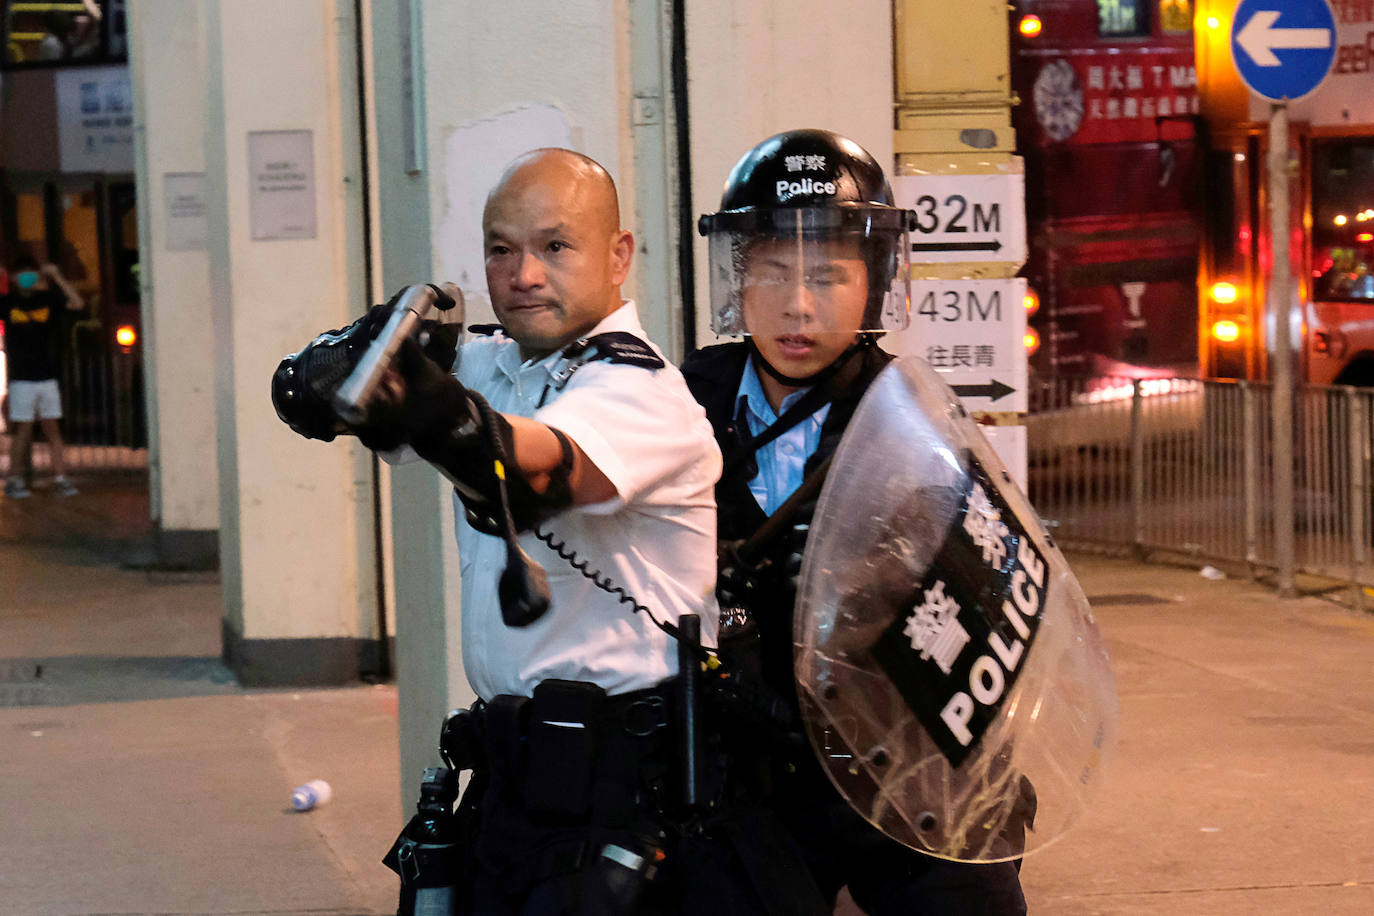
x=1281, y=367
x=1283, y=49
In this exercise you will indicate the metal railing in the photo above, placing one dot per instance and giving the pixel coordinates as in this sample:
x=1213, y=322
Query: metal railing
x=1185, y=466
x=103, y=420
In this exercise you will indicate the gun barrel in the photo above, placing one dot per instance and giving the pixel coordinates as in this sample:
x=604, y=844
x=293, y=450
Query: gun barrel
x=352, y=397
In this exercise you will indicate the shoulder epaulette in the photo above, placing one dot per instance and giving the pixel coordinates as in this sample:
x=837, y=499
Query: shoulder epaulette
x=616, y=347
x=485, y=330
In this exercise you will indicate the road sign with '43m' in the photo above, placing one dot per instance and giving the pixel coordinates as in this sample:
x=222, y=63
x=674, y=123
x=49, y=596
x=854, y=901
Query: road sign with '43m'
x=1283, y=49
x=973, y=333
x=965, y=218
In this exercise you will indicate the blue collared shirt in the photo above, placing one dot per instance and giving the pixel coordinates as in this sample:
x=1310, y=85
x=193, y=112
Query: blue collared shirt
x=782, y=461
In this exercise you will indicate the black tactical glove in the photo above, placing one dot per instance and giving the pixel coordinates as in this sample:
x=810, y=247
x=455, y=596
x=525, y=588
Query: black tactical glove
x=304, y=384
x=305, y=381
x=458, y=432
x=432, y=408
x=440, y=342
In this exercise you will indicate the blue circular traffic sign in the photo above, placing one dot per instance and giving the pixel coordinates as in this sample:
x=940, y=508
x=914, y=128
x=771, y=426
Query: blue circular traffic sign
x=1283, y=49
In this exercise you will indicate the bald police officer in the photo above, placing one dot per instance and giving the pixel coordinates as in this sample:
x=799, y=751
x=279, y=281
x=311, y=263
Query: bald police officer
x=605, y=453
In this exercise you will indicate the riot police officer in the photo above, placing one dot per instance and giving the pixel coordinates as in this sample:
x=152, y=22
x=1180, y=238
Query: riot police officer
x=808, y=261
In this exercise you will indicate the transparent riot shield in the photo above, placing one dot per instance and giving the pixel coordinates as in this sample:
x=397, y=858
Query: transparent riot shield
x=954, y=684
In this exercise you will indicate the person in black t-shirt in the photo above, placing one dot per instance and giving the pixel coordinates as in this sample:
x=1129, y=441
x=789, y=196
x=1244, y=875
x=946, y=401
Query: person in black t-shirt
x=30, y=312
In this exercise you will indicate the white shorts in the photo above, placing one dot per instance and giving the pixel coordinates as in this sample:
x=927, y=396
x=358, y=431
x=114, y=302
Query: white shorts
x=31, y=401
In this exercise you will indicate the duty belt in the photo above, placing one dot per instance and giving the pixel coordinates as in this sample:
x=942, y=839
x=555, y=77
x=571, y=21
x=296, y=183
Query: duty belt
x=495, y=730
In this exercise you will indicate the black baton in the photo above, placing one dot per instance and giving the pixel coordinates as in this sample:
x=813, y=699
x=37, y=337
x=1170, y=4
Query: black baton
x=689, y=703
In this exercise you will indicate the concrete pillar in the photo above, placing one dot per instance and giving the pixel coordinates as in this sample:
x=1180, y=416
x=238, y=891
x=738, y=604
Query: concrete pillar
x=167, y=60
x=286, y=243
x=759, y=68
x=429, y=666
x=656, y=196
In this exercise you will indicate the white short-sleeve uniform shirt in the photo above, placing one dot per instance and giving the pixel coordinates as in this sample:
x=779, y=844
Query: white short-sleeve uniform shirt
x=656, y=538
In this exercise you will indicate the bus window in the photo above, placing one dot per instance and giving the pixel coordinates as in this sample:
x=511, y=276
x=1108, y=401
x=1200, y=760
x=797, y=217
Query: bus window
x=1122, y=18
x=1175, y=16
x=1343, y=220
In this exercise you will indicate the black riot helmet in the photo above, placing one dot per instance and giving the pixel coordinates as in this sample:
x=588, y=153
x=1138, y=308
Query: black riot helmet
x=805, y=189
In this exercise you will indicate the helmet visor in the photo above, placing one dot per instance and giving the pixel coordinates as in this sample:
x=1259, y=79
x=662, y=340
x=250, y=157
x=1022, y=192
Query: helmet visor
x=809, y=271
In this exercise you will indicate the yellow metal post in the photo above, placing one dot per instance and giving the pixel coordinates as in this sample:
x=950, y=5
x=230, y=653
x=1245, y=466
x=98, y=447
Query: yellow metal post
x=954, y=98
x=953, y=125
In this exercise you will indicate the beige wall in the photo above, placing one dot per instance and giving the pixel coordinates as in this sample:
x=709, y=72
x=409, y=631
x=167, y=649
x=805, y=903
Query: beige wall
x=763, y=67
x=296, y=534
x=167, y=60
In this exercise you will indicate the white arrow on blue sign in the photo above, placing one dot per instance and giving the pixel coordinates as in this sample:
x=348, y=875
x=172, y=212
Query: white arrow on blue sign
x=1283, y=49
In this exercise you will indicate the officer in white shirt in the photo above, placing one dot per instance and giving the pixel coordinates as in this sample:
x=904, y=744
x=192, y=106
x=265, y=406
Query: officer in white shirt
x=575, y=801
x=643, y=457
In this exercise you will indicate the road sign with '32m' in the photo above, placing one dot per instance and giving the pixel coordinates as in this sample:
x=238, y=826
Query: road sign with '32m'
x=965, y=218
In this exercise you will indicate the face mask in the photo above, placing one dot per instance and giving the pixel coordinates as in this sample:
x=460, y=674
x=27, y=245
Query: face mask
x=26, y=279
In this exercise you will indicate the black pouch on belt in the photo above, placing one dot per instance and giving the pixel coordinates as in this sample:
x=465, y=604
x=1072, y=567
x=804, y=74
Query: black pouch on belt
x=502, y=733
x=564, y=742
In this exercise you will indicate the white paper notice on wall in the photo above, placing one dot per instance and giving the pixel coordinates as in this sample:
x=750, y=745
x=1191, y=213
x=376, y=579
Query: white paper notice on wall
x=186, y=222
x=281, y=172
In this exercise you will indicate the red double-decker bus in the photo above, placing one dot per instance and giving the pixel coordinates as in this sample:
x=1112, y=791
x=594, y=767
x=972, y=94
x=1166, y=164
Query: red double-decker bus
x=1109, y=126
x=1147, y=194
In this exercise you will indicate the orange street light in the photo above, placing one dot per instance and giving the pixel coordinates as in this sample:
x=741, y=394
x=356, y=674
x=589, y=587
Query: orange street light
x=1226, y=331
x=1223, y=293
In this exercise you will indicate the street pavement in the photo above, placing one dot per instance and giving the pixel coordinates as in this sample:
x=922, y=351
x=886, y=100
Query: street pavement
x=137, y=777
